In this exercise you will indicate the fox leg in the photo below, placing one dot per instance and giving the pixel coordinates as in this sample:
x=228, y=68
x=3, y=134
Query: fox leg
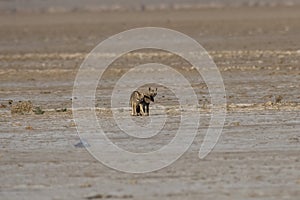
x=147, y=109
x=133, y=111
x=142, y=112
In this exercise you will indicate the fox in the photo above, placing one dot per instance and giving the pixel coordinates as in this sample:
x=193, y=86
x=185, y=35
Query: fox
x=140, y=102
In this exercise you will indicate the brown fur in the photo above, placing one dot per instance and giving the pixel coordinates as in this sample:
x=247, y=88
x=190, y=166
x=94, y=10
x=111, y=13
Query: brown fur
x=140, y=102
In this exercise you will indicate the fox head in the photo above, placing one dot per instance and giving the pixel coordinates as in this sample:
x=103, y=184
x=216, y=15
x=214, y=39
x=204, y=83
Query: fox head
x=152, y=93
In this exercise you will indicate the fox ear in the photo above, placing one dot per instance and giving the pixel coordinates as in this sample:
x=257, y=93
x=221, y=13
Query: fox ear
x=149, y=88
x=156, y=89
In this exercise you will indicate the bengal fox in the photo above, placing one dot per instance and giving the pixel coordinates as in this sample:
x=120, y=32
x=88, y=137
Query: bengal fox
x=140, y=102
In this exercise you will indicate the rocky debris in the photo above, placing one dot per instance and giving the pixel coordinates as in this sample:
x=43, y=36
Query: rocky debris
x=2, y=105
x=109, y=196
x=82, y=144
x=272, y=100
x=6, y=104
x=268, y=103
x=278, y=99
x=61, y=110
x=29, y=128
x=22, y=107
x=38, y=111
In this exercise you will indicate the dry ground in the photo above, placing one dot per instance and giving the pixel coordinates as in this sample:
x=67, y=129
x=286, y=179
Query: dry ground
x=257, y=157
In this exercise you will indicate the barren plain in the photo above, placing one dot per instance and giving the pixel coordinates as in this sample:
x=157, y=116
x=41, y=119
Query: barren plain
x=257, y=156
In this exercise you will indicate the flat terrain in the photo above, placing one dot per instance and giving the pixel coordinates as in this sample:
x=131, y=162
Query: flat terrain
x=257, y=156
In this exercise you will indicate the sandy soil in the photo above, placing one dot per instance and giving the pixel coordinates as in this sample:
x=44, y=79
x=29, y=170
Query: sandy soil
x=257, y=157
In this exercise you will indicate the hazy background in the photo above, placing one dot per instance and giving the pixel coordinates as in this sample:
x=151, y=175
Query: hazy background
x=98, y=5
